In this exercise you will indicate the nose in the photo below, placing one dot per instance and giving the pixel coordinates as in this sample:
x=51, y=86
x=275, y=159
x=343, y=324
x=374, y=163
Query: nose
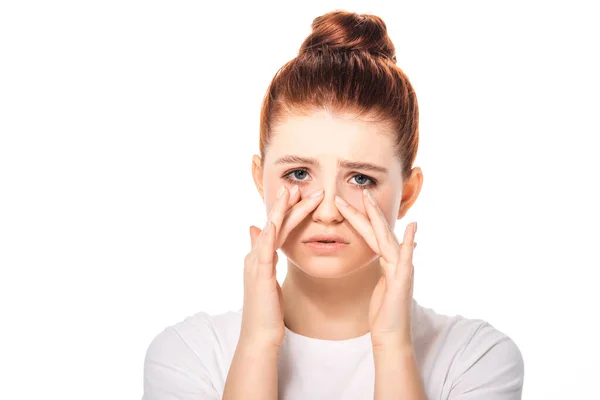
x=327, y=212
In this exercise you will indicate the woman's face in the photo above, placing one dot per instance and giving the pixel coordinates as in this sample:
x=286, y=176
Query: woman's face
x=329, y=143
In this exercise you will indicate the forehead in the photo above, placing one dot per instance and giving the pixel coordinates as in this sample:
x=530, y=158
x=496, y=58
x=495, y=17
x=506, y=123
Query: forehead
x=321, y=134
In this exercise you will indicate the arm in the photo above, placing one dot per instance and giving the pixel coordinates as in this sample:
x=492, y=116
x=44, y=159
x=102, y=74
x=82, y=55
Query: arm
x=397, y=374
x=253, y=372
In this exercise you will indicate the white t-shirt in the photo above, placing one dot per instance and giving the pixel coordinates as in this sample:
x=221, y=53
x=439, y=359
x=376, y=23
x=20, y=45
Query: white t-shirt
x=458, y=358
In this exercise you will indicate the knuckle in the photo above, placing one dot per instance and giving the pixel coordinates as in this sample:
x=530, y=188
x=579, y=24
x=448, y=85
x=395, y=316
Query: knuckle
x=263, y=263
x=264, y=258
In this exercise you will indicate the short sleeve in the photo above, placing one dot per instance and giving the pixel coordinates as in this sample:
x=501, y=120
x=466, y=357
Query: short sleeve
x=172, y=371
x=489, y=368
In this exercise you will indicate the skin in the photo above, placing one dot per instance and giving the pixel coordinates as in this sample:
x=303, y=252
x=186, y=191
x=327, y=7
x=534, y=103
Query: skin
x=367, y=287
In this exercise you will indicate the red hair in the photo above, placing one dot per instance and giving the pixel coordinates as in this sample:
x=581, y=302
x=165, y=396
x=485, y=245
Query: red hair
x=346, y=64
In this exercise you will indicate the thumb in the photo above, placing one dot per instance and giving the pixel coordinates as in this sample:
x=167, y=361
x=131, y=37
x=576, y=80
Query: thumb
x=254, y=232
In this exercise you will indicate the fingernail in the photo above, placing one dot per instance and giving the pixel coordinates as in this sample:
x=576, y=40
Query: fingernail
x=267, y=226
x=293, y=190
x=370, y=196
x=415, y=226
x=340, y=201
x=281, y=190
x=316, y=194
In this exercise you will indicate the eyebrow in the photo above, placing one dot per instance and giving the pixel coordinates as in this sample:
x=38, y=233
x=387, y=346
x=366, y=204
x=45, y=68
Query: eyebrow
x=290, y=159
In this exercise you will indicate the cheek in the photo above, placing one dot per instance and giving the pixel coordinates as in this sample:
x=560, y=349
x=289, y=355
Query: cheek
x=354, y=198
x=305, y=188
x=270, y=195
x=390, y=213
x=387, y=207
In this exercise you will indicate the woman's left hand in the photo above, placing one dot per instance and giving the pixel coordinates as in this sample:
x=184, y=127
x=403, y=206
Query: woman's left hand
x=391, y=303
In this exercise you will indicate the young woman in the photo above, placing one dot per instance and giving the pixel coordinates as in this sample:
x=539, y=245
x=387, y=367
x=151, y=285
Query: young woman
x=338, y=137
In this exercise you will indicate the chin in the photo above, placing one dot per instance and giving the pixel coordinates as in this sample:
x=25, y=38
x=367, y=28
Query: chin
x=330, y=265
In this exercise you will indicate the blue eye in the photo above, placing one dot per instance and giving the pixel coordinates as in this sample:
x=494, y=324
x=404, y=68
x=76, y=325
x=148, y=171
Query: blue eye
x=299, y=174
x=363, y=177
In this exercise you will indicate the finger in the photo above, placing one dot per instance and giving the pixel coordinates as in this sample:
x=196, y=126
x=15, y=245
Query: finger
x=254, y=232
x=265, y=246
x=406, y=250
x=275, y=258
x=280, y=207
x=294, y=195
x=297, y=213
x=265, y=250
x=386, y=239
x=359, y=221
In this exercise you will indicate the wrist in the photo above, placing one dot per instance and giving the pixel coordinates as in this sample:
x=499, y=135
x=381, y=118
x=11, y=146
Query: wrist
x=247, y=343
x=396, y=346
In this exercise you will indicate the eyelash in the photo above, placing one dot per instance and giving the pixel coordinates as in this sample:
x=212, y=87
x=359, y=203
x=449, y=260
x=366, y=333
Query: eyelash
x=293, y=181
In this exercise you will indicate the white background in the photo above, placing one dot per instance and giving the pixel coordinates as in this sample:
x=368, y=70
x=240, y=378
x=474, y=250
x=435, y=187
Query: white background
x=126, y=136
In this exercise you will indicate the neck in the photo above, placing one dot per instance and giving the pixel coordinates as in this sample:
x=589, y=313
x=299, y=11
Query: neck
x=329, y=309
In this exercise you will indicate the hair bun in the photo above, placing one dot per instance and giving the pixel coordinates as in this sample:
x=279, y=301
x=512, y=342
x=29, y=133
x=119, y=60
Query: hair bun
x=341, y=31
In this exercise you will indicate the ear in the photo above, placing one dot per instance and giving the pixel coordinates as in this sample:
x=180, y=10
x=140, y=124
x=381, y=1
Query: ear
x=257, y=174
x=410, y=191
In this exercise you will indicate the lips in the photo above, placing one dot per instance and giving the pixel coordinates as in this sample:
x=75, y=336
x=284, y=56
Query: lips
x=326, y=238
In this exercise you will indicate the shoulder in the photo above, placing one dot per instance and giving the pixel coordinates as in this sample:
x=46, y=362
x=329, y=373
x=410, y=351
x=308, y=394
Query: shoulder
x=201, y=330
x=191, y=355
x=199, y=335
x=489, y=364
x=471, y=355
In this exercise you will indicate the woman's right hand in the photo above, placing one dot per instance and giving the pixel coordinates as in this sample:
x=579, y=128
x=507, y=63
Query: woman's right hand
x=262, y=314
